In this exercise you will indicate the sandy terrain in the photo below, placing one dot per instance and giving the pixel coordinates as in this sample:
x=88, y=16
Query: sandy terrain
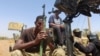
x=4, y=47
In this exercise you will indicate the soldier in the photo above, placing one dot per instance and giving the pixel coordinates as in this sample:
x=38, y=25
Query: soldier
x=29, y=42
x=91, y=47
x=56, y=23
x=77, y=36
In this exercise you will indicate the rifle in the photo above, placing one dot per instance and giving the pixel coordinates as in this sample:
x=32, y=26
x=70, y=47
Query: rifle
x=44, y=29
x=51, y=11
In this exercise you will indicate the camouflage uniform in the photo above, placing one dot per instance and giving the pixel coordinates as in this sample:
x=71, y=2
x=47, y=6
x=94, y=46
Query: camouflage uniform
x=56, y=52
x=22, y=53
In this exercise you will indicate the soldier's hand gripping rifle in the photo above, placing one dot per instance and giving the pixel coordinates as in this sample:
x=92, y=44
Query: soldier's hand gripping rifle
x=44, y=30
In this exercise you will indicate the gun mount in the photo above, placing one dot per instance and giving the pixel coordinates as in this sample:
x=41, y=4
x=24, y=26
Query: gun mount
x=74, y=7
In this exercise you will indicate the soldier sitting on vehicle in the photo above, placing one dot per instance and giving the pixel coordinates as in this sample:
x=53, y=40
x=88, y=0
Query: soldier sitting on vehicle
x=29, y=42
x=91, y=46
x=56, y=23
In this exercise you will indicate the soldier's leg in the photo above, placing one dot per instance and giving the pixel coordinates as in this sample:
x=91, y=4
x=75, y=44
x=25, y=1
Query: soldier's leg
x=32, y=54
x=59, y=52
x=16, y=53
x=23, y=53
x=57, y=31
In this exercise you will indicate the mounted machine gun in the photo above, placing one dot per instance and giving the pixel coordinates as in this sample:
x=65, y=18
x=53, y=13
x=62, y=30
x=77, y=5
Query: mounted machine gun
x=72, y=9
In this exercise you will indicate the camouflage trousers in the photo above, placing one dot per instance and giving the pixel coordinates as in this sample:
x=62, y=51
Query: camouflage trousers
x=56, y=52
x=21, y=53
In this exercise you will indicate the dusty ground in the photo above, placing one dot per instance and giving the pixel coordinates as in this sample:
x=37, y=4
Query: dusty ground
x=4, y=47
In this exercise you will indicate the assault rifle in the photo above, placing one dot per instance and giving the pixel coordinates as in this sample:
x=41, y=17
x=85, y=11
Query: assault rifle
x=44, y=29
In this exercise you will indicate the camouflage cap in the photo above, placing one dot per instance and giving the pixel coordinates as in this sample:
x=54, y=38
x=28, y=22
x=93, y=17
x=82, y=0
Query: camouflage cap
x=76, y=30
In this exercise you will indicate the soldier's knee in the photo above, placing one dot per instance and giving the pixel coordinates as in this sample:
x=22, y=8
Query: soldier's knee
x=16, y=53
x=58, y=52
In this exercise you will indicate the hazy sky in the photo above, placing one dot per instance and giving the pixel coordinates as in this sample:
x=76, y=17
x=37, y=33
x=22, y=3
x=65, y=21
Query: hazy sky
x=25, y=11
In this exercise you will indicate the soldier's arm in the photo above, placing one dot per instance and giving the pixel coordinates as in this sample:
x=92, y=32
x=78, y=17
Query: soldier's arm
x=84, y=49
x=21, y=45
